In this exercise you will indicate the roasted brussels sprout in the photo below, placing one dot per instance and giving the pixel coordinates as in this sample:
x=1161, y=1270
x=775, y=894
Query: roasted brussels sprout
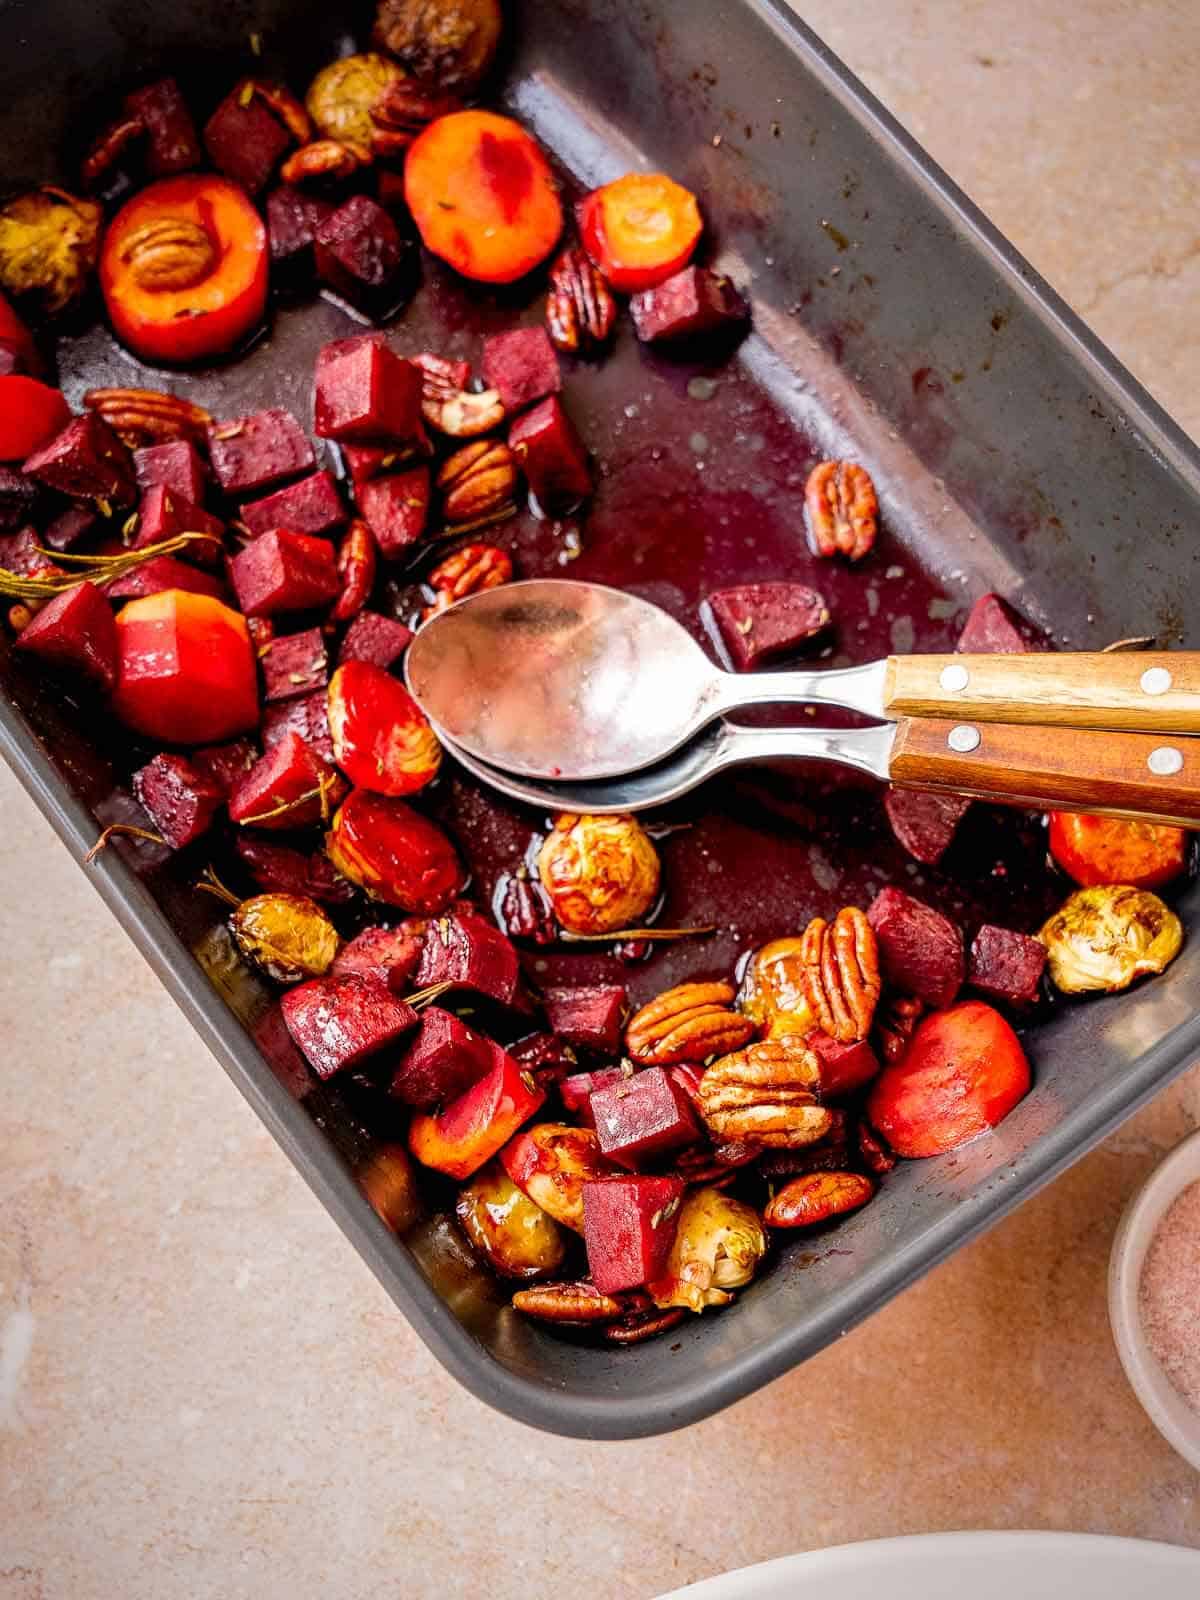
x=601, y=873
x=287, y=935
x=341, y=96
x=448, y=44
x=719, y=1242
x=1105, y=937
x=49, y=245
x=550, y=1163
x=513, y=1236
x=773, y=993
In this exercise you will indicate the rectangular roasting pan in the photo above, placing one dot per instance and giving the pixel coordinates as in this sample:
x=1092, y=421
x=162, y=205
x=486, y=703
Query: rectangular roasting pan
x=1011, y=451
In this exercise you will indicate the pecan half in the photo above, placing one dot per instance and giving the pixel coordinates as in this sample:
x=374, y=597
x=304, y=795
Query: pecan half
x=281, y=102
x=816, y=1197
x=580, y=309
x=842, y=509
x=896, y=1023
x=873, y=1150
x=459, y=413
x=840, y=968
x=478, y=483
x=467, y=571
x=637, y=1326
x=169, y=253
x=402, y=110
x=572, y=1303
x=145, y=416
x=321, y=158
x=691, y=1022
x=766, y=1093
x=522, y=908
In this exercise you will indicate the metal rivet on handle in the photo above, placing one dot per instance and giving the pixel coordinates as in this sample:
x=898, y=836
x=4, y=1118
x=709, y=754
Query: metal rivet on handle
x=1166, y=761
x=965, y=738
x=954, y=677
x=1156, y=680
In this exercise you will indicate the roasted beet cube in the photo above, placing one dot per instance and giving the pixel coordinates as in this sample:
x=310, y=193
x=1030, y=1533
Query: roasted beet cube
x=367, y=461
x=294, y=664
x=244, y=140
x=338, y=1022
x=172, y=144
x=548, y=1057
x=388, y=954
x=924, y=822
x=307, y=715
x=693, y=303
x=464, y=949
x=1006, y=965
x=282, y=868
x=643, y=1118
x=259, y=450
x=844, y=1067
x=396, y=509
x=994, y=628
x=442, y=1061
x=225, y=764
x=761, y=621
x=361, y=255
x=920, y=951
x=292, y=222
x=289, y=787
x=282, y=571
x=551, y=455
x=629, y=1228
x=18, y=498
x=590, y=1015
x=85, y=461
x=375, y=638
x=368, y=395
x=163, y=513
x=578, y=1088
x=19, y=552
x=165, y=572
x=179, y=798
x=176, y=465
x=313, y=505
x=75, y=630
x=70, y=527
x=521, y=366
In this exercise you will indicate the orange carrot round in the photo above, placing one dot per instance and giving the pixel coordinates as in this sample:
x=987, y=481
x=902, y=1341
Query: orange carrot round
x=482, y=196
x=640, y=229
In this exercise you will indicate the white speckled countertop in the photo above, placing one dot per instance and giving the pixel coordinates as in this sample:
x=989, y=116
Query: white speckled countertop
x=203, y=1393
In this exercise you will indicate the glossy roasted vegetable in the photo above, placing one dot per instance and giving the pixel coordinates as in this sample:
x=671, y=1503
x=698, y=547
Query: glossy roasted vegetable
x=446, y=44
x=601, y=873
x=773, y=992
x=551, y=1161
x=719, y=1242
x=1107, y=936
x=513, y=1235
x=341, y=96
x=49, y=243
x=287, y=935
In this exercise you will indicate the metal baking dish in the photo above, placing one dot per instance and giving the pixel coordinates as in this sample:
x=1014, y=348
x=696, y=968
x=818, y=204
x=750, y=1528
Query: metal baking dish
x=892, y=322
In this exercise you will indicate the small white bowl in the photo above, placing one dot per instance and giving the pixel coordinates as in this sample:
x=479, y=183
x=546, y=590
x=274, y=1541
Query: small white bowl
x=1170, y=1413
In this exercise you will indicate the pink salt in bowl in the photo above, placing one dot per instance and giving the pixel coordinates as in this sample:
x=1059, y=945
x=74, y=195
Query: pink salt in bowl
x=1175, y=1418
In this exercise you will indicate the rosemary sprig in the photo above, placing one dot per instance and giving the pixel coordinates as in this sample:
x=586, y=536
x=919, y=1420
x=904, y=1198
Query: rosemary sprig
x=209, y=883
x=97, y=569
x=126, y=830
x=654, y=935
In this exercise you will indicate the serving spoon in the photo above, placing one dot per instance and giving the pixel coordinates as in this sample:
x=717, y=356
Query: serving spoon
x=560, y=680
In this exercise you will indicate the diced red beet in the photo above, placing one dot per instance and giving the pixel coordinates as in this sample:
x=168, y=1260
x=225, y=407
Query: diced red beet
x=643, y=1118
x=692, y=303
x=577, y=1090
x=335, y=349
x=1006, y=965
x=85, y=461
x=464, y=949
x=551, y=455
x=19, y=551
x=388, y=954
x=225, y=764
x=313, y=505
x=294, y=664
x=75, y=630
x=844, y=1067
x=521, y=365
x=590, y=1015
x=480, y=1122
x=375, y=638
x=308, y=715
x=289, y=787
x=548, y=1057
x=165, y=572
x=369, y=395
x=629, y=1228
x=760, y=621
x=282, y=571
x=338, y=1022
x=361, y=255
x=924, y=822
x=180, y=799
x=175, y=464
x=163, y=513
x=292, y=222
x=920, y=951
x=70, y=527
x=396, y=509
x=259, y=450
x=281, y=868
x=245, y=141
x=172, y=144
x=994, y=628
x=18, y=500
x=442, y=1061
x=366, y=461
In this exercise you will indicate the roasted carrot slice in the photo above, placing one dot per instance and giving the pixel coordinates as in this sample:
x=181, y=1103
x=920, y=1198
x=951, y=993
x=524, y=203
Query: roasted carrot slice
x=640, y=229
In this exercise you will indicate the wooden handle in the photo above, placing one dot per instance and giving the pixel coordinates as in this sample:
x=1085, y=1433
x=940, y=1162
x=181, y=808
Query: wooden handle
x=1067, y=769
x=1151, y=691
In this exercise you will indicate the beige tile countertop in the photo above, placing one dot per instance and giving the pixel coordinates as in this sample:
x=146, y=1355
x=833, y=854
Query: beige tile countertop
x=202, y=1390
